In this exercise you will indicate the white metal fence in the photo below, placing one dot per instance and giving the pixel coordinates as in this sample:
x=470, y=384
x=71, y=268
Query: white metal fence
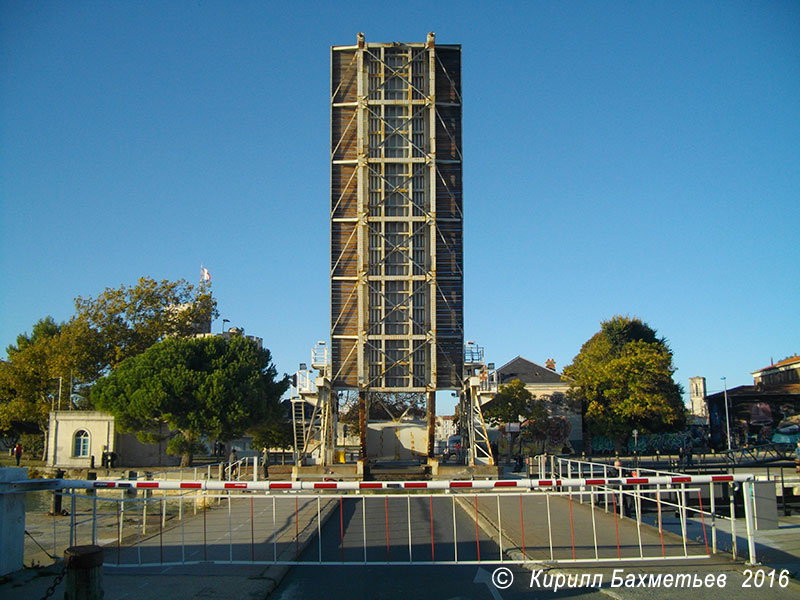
x=710, y=487
x=593, y=517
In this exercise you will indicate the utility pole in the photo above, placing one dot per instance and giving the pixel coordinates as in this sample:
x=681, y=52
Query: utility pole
x=727, y=416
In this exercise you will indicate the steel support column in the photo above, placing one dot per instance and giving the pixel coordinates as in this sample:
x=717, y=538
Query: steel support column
x=431, y=415
x=362, y=422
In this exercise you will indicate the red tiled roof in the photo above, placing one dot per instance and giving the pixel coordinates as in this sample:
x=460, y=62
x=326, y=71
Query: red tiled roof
x=786, y=361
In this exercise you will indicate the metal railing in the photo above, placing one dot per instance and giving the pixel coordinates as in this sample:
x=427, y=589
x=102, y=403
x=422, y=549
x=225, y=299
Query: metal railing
x=247, y=466
x=762, y=454
x=306, y=382
x=587, y=519
x=707, y=486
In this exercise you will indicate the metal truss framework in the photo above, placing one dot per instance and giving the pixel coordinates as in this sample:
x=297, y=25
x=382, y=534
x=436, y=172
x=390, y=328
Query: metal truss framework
x=480, y=386
x=314, y=410
x=396, y=217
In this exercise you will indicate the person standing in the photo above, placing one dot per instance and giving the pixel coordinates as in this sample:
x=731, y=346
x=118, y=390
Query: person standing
x=517, y=464
x=232, y=466
x=18, y=453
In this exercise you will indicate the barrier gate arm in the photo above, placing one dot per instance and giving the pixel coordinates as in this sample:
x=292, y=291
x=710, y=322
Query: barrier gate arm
x=264, y=486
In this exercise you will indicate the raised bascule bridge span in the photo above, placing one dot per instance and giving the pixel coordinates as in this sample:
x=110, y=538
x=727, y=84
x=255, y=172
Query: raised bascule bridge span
x=396, y=268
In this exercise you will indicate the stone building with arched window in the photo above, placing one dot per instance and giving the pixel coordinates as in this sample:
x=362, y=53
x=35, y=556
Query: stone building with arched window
x=78, y=439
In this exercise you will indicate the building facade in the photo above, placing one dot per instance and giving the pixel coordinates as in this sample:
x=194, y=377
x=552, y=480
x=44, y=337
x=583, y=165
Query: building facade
x=445, y=427
x=757, y=412
x=78, y=439
x=549, y=386
x=697, y=397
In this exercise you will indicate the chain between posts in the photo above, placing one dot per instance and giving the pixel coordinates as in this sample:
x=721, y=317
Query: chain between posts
x=59, y=578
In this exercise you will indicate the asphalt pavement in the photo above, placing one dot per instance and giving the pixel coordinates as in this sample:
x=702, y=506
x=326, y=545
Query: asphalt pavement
x=654, y=565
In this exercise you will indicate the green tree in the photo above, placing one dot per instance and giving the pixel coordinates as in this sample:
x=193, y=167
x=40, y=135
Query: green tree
x=196, y=386
x=130, y=319
x=29, y=380
x=536, y=427
x=117, y=324
x=513, y=403
x=509, y=404
x=43, y=330
x=623, y=378
x=274, y=431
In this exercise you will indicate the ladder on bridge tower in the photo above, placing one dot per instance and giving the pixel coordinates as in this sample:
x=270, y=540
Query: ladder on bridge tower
x=314, y=432
x=299, y=423
x=314, y=428
x=306, y=421
x=480, y=387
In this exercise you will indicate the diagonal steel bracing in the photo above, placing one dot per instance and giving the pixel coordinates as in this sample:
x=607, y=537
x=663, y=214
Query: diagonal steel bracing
x=396, y=218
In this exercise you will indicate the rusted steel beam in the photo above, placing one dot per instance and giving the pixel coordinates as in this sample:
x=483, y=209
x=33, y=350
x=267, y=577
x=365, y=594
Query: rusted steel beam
x=362, y=422
x=431, y=413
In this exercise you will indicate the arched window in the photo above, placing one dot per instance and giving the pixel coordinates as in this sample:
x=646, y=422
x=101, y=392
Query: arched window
x=80, y=446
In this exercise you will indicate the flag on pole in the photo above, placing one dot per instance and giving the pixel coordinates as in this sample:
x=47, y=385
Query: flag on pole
x=204, y=274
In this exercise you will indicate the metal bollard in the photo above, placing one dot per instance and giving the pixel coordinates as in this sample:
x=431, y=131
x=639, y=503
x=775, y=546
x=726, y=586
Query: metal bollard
x=55, y=507
x=84, y=565
x=91, y=476
x=132, y=476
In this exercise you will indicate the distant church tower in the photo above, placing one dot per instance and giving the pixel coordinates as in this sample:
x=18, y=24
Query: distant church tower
x=697, y=397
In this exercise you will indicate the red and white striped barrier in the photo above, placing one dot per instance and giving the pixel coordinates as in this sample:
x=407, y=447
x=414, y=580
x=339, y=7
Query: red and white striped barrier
x=502, y=484
x=620, y=498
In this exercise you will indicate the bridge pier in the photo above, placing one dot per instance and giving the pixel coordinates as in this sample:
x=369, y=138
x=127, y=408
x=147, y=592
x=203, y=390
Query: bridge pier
x=12, y=521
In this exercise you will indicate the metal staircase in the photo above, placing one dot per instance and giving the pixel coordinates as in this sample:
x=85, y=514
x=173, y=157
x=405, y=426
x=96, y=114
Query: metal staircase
x=298, y=422
x=314, y=428
x=480, y=388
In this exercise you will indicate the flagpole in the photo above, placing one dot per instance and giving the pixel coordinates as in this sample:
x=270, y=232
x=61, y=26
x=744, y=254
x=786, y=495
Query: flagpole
x=205, y=282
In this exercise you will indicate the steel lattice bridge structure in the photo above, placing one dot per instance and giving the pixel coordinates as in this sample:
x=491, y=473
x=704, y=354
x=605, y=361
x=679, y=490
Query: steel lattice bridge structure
x=396, y=253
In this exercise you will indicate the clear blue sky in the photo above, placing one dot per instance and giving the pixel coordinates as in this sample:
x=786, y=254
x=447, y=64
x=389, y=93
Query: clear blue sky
x=638, y=158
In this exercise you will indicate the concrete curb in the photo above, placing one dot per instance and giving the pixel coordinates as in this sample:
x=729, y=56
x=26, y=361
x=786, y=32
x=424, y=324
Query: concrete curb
x=489, y=528
x=274, y=574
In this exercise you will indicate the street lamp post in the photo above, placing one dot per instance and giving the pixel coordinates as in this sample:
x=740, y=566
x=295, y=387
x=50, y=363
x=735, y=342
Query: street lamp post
x=727, y=416
x=52, y=399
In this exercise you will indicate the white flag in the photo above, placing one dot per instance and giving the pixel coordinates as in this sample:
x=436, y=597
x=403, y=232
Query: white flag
x=205, y=275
